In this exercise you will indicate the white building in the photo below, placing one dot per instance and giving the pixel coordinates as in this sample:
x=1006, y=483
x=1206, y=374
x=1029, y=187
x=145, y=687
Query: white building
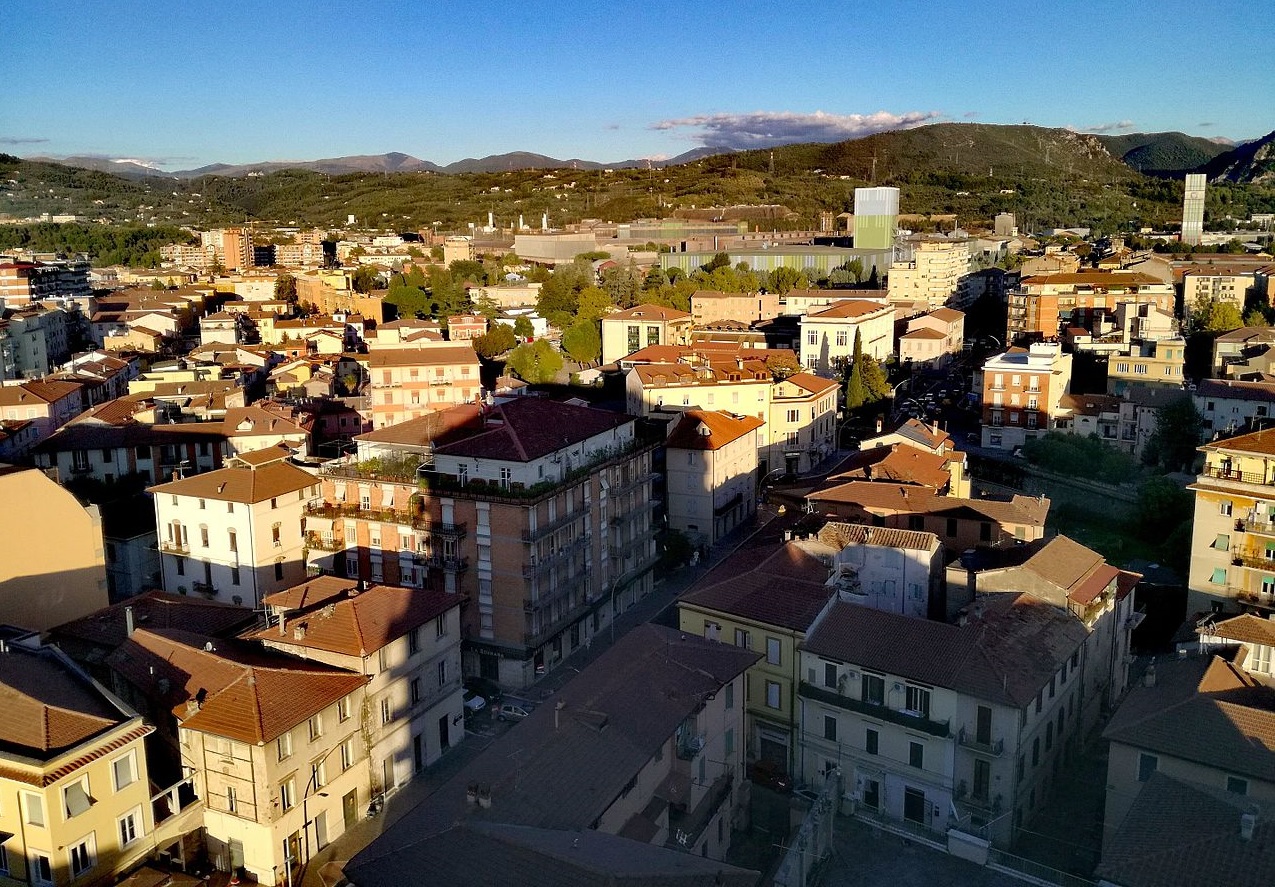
x=932, y=276
x=234, y=534
x=900, y=571
x=828, y=335
x=712, y=473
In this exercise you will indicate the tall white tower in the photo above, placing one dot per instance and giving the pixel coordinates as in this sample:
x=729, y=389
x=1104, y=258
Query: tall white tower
x=1193, y=208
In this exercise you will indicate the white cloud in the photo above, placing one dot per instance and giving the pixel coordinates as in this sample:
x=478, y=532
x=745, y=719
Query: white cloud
x=763, y=129
x=1109, y=127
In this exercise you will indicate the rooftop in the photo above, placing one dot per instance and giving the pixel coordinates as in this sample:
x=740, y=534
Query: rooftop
x=529, y=428
x=709, y=430
x=649, y=312
x=243, y=484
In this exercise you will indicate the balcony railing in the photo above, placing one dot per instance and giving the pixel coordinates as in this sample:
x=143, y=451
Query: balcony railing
x=941, y=729
x=172, y=546
x=450, y=562
x=1254, y=563
x=1226, y=472
x=205, y=588
x=995, y=747
x=316, y=542
x=1253, y=524
x=545, y=529
x=564, y=554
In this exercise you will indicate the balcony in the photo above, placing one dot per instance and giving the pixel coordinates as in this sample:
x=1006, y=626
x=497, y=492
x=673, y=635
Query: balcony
x=316, y=542
x=1266, y=564
x=941, y=729
x=563, y=555
x=204, y=588
x=450, y=562
x=172, y=546
x=1226, y=472
x=545, y=529
x=1252, y=524
x=967, y=739
x=638, y=479
x=440, y=530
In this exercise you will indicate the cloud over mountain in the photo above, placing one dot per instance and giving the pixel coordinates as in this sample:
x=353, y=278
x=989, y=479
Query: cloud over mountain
x=764, y=129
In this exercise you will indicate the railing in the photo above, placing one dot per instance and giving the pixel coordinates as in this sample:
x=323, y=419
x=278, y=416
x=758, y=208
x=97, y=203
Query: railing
x=316, y=542
x=639, y=479
x=174, y=547
x=1254, y=525
x=968, y=740
x=562, y=555
x=449, y=562
x=438, y=528
x=545, y=529
x=1017, y=864
x=203, y=588
x=1254, y=563
x=895, y=716
x=1225, y=472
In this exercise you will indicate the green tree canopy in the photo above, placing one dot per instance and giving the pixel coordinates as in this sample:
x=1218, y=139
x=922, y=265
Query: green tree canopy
x=364, y=279
x=523, y=328
x=1216, y=316
x=535, y=362
x=1179, y=428
x=285, y=287
x=498, y=339
x=582, y=342
x=856, y=387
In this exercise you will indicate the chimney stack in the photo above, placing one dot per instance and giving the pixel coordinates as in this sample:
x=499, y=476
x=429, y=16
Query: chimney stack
x=128, y=622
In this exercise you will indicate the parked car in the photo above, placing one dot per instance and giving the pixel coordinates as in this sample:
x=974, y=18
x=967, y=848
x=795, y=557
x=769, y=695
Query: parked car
x=474, y=702
x=771, y=775
x=514, y=709
x=489, y=690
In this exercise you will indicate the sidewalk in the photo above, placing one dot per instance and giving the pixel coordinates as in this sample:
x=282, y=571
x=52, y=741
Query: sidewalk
x=323, y=869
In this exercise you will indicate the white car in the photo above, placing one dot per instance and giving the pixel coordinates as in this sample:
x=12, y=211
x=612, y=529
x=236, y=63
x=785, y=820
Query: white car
x=474, y=702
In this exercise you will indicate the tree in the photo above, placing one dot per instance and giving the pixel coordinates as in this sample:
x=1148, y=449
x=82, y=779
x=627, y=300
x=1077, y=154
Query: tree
x=721, y=260
x=856, y=388
x=523, y=328
x=365, y=279
x=1215, y=316
x=582, y=341
x=593, y=303
x=285, y=288
x=157, y=284
x=535, y=362
x=875, y=380
x=782, y=366
x=1161, y=507
x=1178, y=430
x=784, y=279
x=498, y=339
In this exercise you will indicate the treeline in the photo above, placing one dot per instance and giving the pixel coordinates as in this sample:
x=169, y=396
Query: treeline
x=136, y=246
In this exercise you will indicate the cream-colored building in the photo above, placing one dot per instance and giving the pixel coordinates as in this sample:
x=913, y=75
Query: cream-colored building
x=76, y=792
x=800, y=424
x=407, y=383
x=827, y=336
x=52, y=560
x=1200, y=286
x=276, y=746
x=712, y=473
x=624, y=332
x=932, y=276
x=711, y=306
x=933, y=339
x=407, y=642
x=234, y=534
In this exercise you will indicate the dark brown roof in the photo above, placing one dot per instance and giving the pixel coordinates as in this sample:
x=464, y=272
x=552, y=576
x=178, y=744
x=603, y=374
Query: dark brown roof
x=1181, y=835
x=248, y=694
x=900, y=463
x=107, y=628
x=1203, y=709
x=839, y=535
x=709, y=430
x=786, y=590
x=330, y=614
x=649, y=312
x=528, y=428
x=442, y=355
x=1246, y=628
x=1006, y=655
x=241, y=484
x=49, y=706
x=426, y=429
x=850, y=308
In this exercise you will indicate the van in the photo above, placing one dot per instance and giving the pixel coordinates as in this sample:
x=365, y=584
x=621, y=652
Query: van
x=514, y=709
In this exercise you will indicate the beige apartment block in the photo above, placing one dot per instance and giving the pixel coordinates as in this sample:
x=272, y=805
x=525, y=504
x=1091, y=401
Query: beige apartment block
x=407, y=383
x=712, y=306
x=933, y=339
x=1022, y=393
x=77, y=794
x=932, y=276
x=52, y=560
x=712, y=473
x=827, y=336
x=624, y=332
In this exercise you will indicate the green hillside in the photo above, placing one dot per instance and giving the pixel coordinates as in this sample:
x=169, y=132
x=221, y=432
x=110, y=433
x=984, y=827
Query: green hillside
x=1163, y=153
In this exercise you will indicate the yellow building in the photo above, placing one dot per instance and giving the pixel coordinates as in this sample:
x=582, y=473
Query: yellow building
x=1233, y=533
x=766, y=608
x=52, y=561
x=75, y=798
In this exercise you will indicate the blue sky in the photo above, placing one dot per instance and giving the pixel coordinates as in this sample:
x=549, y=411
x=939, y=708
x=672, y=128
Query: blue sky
x=186, y=83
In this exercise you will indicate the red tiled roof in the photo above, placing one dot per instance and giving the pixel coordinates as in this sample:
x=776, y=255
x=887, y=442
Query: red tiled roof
x=705, y=430
x=649, y=312
x=528, y=428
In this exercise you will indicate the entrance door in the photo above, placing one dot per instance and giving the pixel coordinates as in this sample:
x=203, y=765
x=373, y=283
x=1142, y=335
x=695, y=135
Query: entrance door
x=236, y=855
x=914, y=806
x=871, y=794
x=418, y=753
x=387, y=774
x=444, y=731
x=350, y=808
x=292, y=850
x=321, y=830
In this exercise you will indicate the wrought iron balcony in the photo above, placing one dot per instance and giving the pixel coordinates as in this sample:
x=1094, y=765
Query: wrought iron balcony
x=994, y=747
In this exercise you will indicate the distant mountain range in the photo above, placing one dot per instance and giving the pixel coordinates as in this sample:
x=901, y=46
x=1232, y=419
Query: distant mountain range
x=1165, y=153
x=392, y=162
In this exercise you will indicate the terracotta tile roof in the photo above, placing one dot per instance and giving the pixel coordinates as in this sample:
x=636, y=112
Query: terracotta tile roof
x=649, y=312
x=1178, y=834
x=443, y=355
x=527, y=428
x=241, y=484
x=1258, y=442
x=331, y=614
x=1205, y=710
x=1090, y=404
x=810, y=382
x=947, y=314
x=1246, y=629
x=758, y=597
x=850, y=309
x=705, y=430
x=839, y=535
x=923, y=333
x=257, y=458
x=1093, y=278
x=49, y=705
x=1005, y=656
x=243, y=692
x=38, y=392
x=659, y=354
x=898, y=463
x=878, y=495
x=153, y=609
x=425, y=429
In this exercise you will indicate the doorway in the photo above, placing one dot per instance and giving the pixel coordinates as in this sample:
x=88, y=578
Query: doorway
x=871, y=794
x=914, y=806
x=444, y=732
x=350, y=808
x=321, y=829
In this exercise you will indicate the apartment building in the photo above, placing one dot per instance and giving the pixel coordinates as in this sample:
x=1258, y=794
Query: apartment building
x=1229, y=286
x=896, y=570
x=25, y=282
x=235, y=534
x=942, y=472
x=538, y=511
x=36, y=340
x=764, y=599
x=827, y=336
x=52, y=562
x=273, y=744
x=931, y=277
x=1233, y=533
x=712, y=306
x=933, y=339
x=646, y=744
x=407, y=383
x=624, y=332
x=1041, y=306
x=1160, y=362
x=800, y=424
x=405, y=640
x=46, y=405
x=711, y=465
x=1240, y=350
x=1231, y=405
x=967, y=734
x=1022, y=392
x=73, y=774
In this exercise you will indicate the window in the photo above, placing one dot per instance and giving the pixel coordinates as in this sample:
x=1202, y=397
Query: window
x=276, y=535
x=387, y=711
x=413, y=642
x=33, y=807
x=415, y=690
x=318, y=774
x=742, y=639
x=284, y=746
x=202, y=504
x=343, y=709
x=772, y=694
x=1049, y=736
x=843, y=338
x=316, y=727
x=278, y=570
x=829, y=675
x=124, y=769
x=772, y=651
x=794, y=415
x=1236, y=785
x=203, y=535
x=347, y=755
x=1222, y=542
x=440, y=626
x=873, y=689
x=730, y=741
x=812, y=338
x=1147, y=764
x=76, y=798
x=872, y=742
x=83, y=856
x=830, y=728
x=916, y=755
x=128, y=826
x=232, y=799
x=1224, y=508
x=234, y=540
x=288, y=794
x=1036, y=752
x=730, y=696
x=918, y=700
x=41, y=868
x=442, y=673
x=1219, y=576
x=951, y=526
